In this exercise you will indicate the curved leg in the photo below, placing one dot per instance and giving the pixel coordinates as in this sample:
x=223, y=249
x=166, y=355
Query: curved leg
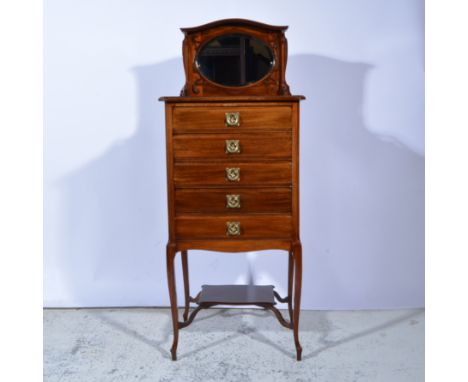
x=278, y=315
x=297, y=252
x=194, y=313
x=290, y=284
x=170, y=255
x=279, y=298
x=186, y=283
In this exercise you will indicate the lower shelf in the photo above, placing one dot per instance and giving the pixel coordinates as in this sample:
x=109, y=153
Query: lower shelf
x=236, y=294
x=260, y=295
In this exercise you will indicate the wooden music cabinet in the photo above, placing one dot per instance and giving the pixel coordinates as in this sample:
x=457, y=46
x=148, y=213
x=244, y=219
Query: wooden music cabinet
x=232, y=140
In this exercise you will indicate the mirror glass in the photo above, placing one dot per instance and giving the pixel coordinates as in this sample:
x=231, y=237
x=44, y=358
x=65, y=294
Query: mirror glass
x=234, y=60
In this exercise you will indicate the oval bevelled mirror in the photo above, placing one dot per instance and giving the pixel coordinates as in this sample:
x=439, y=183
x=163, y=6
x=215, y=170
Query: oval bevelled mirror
x=234, y=60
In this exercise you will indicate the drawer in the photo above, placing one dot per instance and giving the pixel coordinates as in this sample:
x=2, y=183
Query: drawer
x=214, y=118
x=236, y=174
x=233, y=200
x=232, y=145
x=233, y=227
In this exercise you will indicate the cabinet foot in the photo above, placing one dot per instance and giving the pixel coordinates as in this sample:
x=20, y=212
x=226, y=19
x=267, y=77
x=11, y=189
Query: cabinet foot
x=173, y=353
x=299, y=353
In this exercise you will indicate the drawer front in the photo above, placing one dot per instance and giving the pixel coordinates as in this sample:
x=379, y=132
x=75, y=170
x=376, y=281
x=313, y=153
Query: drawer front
x=227, y=118
x=233, y=227
x=234, y=174
x=232, y=145
x=233, y=200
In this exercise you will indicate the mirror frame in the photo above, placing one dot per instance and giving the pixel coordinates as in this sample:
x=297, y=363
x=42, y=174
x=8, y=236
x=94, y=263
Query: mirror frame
x=273, y=83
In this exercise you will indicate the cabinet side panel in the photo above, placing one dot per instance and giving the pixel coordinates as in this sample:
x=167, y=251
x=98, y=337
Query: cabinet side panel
x=295, y=171
x=170, y=171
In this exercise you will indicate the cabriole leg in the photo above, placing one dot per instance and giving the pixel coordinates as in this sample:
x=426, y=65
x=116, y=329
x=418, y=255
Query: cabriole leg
x=290, y=284
x=186, y=283
x=297, y=253
x=170, y=255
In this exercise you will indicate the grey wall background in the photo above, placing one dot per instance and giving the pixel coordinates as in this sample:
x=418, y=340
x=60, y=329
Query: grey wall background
x=360, y=65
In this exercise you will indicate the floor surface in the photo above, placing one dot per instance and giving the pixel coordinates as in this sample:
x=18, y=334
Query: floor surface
x=233, y=345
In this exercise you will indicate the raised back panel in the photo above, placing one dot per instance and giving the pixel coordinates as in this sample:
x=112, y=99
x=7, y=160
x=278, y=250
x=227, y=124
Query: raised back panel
x=196, y=38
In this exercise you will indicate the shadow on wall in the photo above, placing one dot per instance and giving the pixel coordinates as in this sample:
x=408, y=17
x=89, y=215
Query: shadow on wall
x=362, y=196
x=361, y=204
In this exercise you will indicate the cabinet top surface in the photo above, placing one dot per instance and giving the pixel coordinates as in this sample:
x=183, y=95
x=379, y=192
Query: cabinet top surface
x=292, y=98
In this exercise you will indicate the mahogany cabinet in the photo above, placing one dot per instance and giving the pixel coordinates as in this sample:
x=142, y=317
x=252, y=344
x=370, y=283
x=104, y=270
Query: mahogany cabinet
x=232, y=141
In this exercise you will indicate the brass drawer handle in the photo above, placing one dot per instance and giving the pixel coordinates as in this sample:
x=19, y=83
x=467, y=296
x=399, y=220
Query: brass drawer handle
x=233, y=174
x=233, y=201
x=232, y=146
x=233, y=229
x=232, y=119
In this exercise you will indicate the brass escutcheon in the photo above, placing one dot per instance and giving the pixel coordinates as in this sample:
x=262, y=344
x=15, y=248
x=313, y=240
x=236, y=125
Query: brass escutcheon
x=232, y=119
x=232, y=146
x=233, y=228
x=233, y=201
x=233, y=174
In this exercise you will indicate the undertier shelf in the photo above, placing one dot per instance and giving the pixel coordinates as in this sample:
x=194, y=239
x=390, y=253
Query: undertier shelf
x=237, y=294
